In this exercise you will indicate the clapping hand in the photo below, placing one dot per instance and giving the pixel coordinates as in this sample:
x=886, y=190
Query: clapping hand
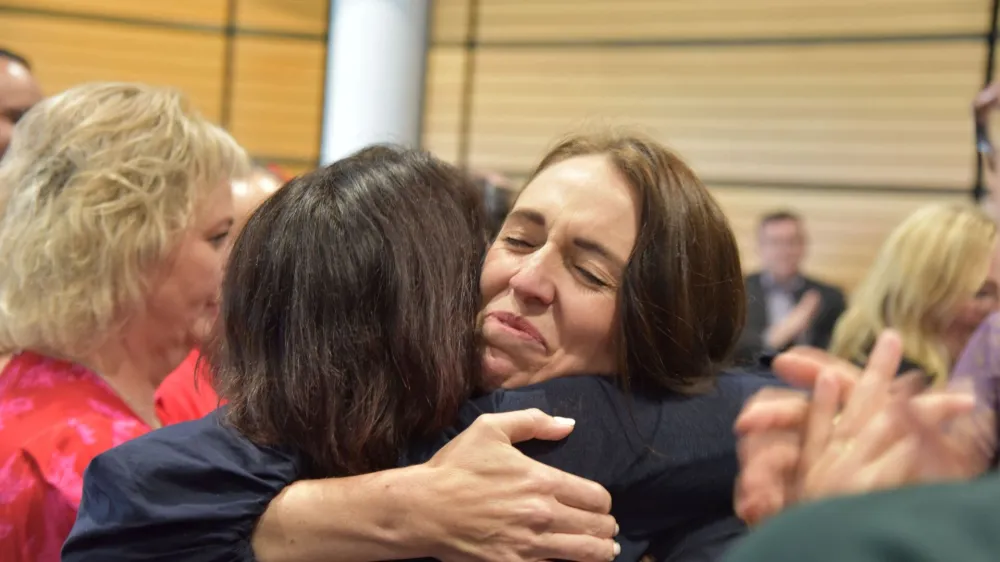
x=856, y=431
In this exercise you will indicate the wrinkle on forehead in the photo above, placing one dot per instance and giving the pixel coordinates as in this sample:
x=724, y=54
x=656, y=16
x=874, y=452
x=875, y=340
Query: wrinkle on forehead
x=586, y=195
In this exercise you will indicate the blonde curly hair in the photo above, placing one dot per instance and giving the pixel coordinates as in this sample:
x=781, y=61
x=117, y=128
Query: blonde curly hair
x=936, y=258
x=96, y=190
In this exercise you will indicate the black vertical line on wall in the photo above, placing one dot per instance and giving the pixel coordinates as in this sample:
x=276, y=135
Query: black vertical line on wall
x=325, y=77
x=468, y=84
x=228, y=63
x=325, y=123
x=979, y=190
x=428, y=34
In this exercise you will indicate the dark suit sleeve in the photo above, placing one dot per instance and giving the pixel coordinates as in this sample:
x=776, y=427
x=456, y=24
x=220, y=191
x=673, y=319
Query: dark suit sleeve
x=833, y=306
x=190, y=492
x=945, y=523
x=750, y=346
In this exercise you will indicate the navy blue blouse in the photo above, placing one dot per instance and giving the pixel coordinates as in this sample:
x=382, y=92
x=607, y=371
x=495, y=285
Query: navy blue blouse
x=194, y=491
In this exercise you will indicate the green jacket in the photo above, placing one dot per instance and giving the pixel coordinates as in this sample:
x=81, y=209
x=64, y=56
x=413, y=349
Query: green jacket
x=943, y=523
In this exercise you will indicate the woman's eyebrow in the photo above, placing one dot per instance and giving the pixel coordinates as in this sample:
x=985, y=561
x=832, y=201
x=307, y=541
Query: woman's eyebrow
x=599, y=249
x=529, y=215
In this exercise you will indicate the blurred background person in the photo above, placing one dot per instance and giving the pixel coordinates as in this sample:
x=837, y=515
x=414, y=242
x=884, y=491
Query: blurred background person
x=865, y=435
x=934, y=281
x=19, y=91
x=935, y=284
x=498, y=193
x=187, y=394
x=784, y=306
x=115, y=214
x=983, y=105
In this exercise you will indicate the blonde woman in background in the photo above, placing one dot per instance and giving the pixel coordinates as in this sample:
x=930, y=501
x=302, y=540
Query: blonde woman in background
x=934, y=281
x=115, y=213
x=183, y=395
x=953, y=522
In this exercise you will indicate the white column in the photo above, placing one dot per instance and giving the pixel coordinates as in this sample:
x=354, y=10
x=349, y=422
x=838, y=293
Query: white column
x=374, y=74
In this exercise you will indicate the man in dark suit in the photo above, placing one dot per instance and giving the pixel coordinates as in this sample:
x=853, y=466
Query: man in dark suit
x=785, y=307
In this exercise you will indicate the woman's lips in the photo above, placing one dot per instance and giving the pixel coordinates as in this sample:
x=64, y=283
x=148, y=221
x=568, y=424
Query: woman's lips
x=517, y=325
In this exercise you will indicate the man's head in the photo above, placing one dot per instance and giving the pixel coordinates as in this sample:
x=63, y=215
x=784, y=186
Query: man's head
x=781, y=243
x=248, y=194
x=18, y=93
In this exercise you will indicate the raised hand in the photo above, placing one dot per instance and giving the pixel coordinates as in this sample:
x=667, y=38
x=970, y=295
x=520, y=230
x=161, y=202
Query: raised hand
x=877, y=438
x=796, y=322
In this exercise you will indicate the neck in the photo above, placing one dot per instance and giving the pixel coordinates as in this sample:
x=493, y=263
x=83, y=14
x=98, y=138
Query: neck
x=782, y=279
x=133, y=372
x=955, y=344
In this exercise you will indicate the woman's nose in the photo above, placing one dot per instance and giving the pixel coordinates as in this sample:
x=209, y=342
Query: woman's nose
x=532, y=283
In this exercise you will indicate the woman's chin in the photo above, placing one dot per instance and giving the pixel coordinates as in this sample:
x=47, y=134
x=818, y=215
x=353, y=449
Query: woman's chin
x=497, y=368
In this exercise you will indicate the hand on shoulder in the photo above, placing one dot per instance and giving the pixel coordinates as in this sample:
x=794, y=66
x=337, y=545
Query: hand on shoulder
x=481, y=499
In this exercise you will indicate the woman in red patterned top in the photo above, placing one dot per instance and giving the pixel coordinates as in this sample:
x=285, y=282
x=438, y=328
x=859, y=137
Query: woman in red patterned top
x=115, y=212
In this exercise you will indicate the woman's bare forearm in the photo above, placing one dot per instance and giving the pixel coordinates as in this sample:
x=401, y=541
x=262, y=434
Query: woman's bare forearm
x=357, y=519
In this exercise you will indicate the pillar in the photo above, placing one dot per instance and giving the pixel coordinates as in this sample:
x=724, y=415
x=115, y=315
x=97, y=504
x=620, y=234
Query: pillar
x=376, y=62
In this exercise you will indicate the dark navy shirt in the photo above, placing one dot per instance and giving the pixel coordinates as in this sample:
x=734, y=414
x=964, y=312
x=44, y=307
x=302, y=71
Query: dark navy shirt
x=194, y=491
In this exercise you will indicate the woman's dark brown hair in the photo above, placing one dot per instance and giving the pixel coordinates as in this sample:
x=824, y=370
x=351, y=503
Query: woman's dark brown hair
x=682, y=304
x=497, y=200
x=348, y=307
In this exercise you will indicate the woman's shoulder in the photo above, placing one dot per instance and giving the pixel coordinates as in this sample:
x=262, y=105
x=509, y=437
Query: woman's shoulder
x=670, y=450
x=206, y=444
x=739, y=385
x=986, y=337
x=992, y=323
x=33, y=386
x=202, y=470
x=594, y=393
x=60, y=415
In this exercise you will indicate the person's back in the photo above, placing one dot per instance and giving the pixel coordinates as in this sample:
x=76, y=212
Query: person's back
x=668, y=460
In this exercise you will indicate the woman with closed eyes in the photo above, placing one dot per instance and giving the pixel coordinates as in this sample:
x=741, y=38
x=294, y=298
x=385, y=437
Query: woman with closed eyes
x=611, y=296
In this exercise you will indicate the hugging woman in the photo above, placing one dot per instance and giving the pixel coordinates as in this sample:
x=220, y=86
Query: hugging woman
x=355, y=337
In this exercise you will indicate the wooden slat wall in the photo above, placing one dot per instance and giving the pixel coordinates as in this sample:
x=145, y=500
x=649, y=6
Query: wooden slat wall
x=278, y=97
x=547, y=20
x=269, y=93
x=297, y=16
x=852, y=112
x=203, y=12
x=845, y=229
x=443, y=101
x=65, y=53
